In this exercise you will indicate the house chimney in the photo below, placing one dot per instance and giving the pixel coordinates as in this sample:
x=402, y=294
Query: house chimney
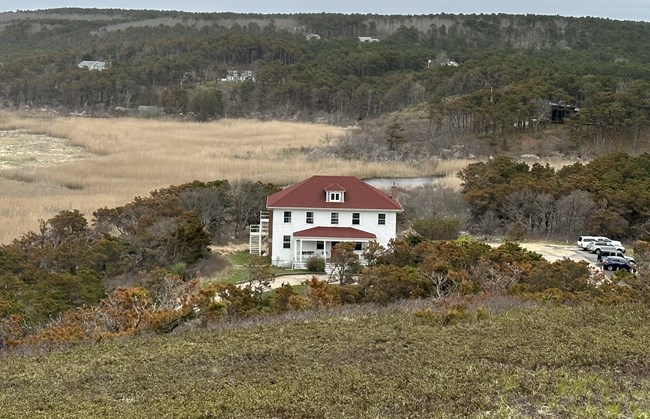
x=393, y=191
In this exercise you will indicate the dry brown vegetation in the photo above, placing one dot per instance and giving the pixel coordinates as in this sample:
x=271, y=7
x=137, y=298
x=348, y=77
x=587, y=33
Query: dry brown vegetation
x=116, y=160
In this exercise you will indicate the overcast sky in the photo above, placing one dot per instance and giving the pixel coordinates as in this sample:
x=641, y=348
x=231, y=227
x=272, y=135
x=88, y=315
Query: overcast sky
x=620, y=10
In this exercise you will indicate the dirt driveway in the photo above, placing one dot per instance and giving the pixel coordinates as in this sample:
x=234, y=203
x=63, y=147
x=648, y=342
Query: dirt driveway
x=553, y=252
x=296, y=279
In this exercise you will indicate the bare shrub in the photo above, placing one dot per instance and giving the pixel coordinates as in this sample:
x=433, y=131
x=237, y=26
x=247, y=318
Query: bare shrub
x=529, y=210
x=443, y=284
x=362, y=145
x=434, y=202
x=572, y=212
x=495, y=281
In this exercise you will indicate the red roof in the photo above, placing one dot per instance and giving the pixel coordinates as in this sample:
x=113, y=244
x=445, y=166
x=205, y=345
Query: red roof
x=335, y=233
x=335, y=187
x=310, y=193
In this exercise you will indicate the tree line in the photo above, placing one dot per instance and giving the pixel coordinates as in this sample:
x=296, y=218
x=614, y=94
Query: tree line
x=607, y=196
x=509, y=68
x=69, y=262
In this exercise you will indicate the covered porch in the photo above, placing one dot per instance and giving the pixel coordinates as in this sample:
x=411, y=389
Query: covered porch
x=319, y=242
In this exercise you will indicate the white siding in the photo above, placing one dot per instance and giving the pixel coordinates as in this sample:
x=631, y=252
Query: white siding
x=368, y=221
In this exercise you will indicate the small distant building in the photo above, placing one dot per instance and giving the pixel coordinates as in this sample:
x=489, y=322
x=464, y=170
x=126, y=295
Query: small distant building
x=93, y=65
x=560, y=111
x=235, y=76
x=449, y=63
x=311, y=36
x=367, y=39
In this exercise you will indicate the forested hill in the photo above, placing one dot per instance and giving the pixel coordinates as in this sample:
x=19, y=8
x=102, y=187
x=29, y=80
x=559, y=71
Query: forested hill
x=467, y=68
x=445, y=30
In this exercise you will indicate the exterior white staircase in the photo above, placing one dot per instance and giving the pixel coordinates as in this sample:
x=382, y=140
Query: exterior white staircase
x=258, y=234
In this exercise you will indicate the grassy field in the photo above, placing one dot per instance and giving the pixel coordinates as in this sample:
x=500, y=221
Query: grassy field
x=361, y=362
x=94, y=163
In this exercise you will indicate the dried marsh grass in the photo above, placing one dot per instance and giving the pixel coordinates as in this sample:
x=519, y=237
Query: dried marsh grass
x=129, y=157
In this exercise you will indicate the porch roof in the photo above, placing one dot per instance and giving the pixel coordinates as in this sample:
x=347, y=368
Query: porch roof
x=335, y=233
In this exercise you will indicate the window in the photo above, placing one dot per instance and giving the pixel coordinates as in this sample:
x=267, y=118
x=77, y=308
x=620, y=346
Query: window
x=310, y=217
x=355, y=218
x=358, y=246
x=287, y=216
x=286, y=242
x=335, y=218
x=335, y=196
x=320, y=245
x=381, y=219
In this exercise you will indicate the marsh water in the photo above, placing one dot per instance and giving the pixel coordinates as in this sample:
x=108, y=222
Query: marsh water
x=405, y=182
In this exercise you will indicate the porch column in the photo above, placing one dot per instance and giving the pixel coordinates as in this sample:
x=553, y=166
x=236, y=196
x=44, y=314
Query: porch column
x=300, y=250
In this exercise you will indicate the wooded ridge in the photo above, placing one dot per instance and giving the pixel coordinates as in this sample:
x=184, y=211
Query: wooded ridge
x=484, y=74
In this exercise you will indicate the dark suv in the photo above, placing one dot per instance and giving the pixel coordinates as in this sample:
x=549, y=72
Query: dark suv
x=612, y=251
x=614, y=263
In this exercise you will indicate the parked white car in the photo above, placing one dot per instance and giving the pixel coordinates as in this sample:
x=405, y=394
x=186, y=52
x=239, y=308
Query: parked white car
x=589, y=243
x=583, y=241
x=599, y=245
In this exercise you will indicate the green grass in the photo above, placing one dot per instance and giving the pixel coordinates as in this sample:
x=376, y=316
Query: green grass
x=238, y=271
x=579, y=362
x=233, y=275
x=239, y=258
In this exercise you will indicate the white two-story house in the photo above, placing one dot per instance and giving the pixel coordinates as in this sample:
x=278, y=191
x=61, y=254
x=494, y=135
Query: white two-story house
x=310, y=217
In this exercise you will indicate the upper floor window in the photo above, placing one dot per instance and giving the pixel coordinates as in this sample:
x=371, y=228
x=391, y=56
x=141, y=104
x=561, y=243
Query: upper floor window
x=335, y=196
x=309, y=218
x=335, y=218
x=287, y=216
x=381, y=219
x=356, y=217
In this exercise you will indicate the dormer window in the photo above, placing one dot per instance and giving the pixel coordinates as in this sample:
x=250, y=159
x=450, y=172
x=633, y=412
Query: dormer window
x=334, y=196
x=334, y=193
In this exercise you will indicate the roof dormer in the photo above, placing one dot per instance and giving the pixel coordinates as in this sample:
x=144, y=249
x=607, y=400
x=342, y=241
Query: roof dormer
x=334, y=193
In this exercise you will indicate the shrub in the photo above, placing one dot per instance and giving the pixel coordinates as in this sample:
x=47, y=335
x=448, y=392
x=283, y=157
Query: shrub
x=384, y=284
x=287, y=300
x=517, y=232
x=321, y=294
x=564, y=275
x=455, y=314
x=180, y=269
x=437, y=228
x=642, y=254
x=315, y=264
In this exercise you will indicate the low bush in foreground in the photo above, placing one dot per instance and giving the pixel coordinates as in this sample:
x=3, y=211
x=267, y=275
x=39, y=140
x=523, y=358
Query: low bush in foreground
x=362, y=361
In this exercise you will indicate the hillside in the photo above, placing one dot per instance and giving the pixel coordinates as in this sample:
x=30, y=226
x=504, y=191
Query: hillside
x=367, y=362
x=476, y=77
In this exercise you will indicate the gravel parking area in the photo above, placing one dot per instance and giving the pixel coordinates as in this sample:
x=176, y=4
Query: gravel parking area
x=553, y=252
